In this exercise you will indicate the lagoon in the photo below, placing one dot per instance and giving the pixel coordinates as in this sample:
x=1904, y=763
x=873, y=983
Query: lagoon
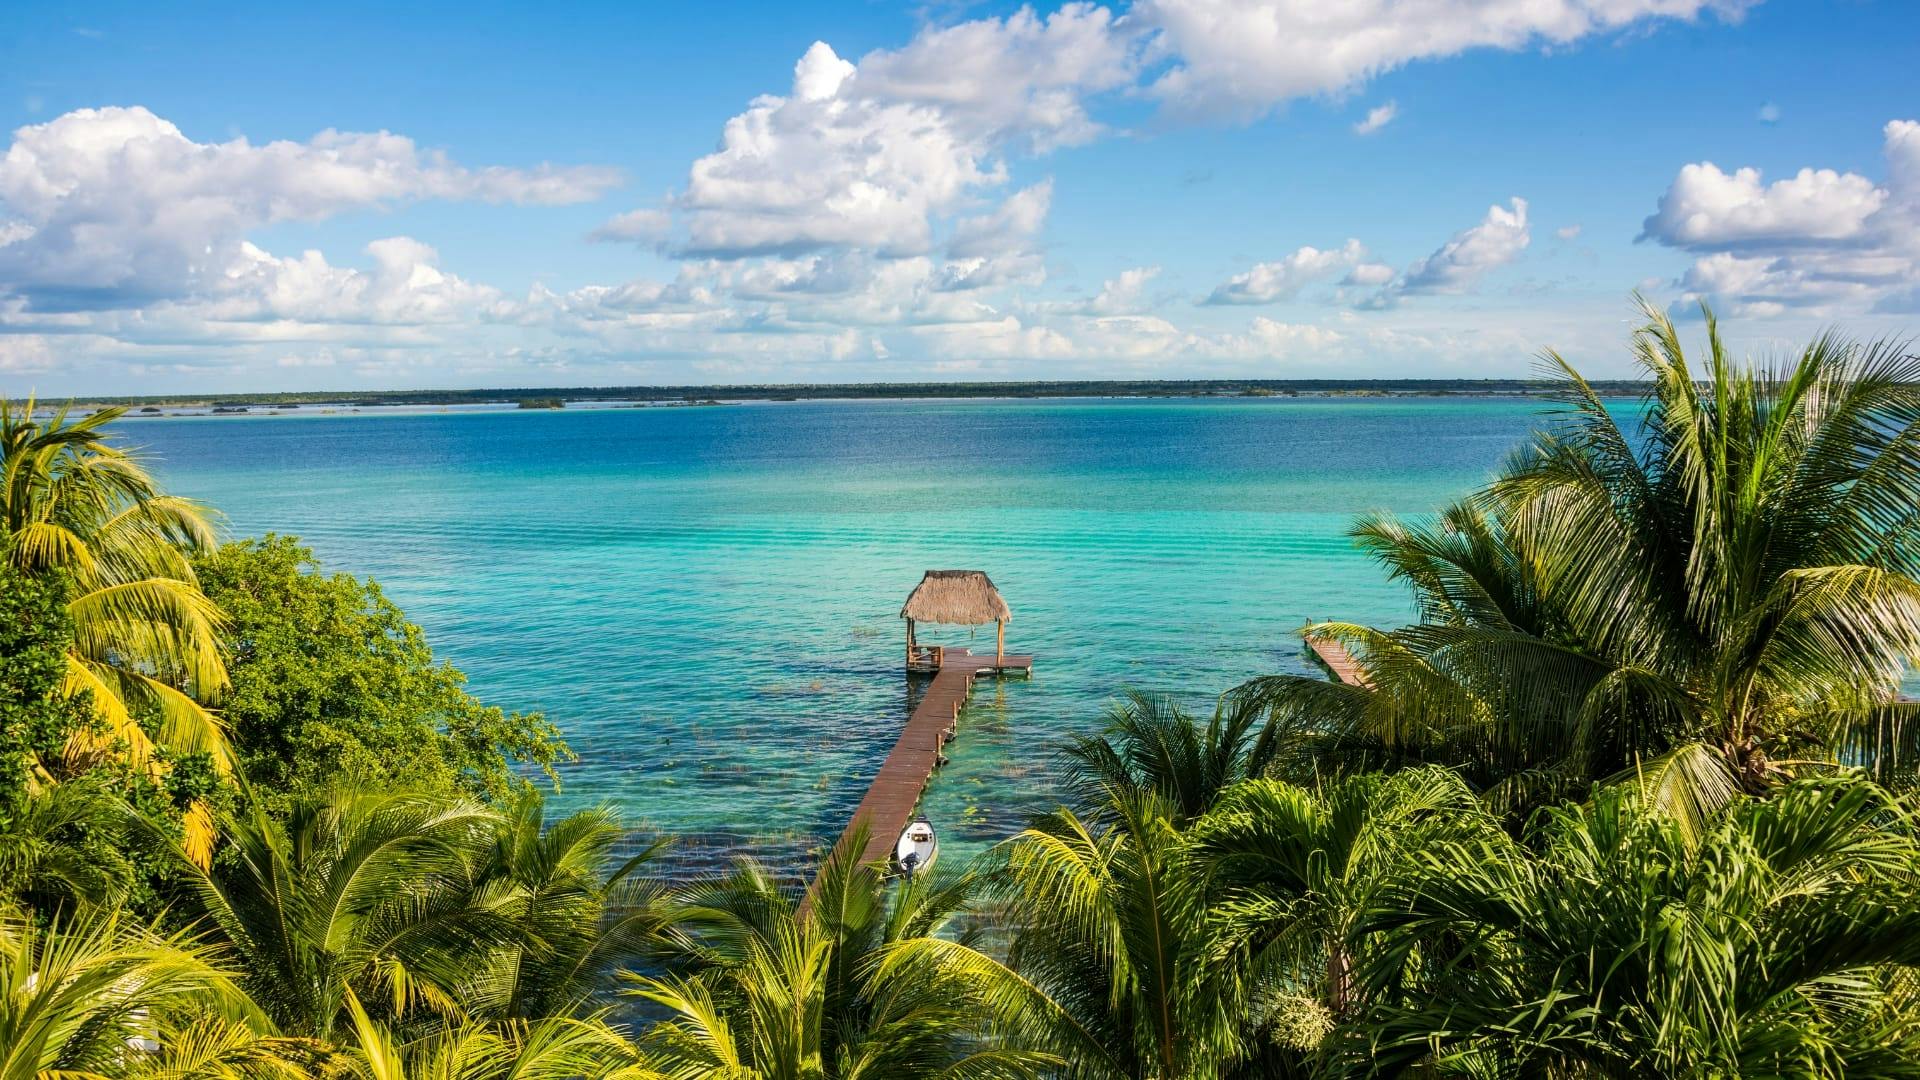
x=705, y=599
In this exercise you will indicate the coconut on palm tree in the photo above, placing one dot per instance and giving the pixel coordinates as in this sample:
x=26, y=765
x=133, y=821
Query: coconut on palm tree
x=1720, y=592
x=144, y=637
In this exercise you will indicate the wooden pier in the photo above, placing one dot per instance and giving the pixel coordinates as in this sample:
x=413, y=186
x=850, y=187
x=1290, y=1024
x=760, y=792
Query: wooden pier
x=1333, y=653
x=894, y=794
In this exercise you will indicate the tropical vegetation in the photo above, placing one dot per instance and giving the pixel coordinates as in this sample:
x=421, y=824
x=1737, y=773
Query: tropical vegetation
x=1633, y=798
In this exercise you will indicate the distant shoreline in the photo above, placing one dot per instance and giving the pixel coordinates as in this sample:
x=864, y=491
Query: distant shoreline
x=714, y=394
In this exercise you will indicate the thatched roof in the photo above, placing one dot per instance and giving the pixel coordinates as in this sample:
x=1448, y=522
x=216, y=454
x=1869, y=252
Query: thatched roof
x=956, y=597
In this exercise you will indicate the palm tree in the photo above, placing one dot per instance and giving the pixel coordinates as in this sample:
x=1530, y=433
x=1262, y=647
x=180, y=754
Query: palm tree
x=1115, y=966
x=375, y=894
x=1292, y=869
x=580, y=915
x=1782, y=941
x=763, y=988
x=553, y=1048
x=1152, y=745
x=1709, y=602
x=65, y=846
x=93, y=995
x=144, y=637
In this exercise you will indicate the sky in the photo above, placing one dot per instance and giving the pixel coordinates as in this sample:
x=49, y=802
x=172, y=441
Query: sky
x=202, y=198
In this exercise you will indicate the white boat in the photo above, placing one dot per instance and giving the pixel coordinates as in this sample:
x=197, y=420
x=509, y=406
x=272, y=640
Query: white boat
x=917, y=848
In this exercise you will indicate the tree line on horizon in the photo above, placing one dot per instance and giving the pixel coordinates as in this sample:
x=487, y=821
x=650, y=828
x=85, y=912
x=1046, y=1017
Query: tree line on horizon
x=866, y=390
x=1635, y=796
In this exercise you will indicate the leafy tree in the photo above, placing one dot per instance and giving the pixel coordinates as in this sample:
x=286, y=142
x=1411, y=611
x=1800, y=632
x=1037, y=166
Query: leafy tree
x=766, y=987
x=332, y=685
x=69, y=830
x=1707, y=602
x=143, y=643
x=1784, y=941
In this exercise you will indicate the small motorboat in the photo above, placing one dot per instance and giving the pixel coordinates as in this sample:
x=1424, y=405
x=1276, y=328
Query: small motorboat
x=917, y=848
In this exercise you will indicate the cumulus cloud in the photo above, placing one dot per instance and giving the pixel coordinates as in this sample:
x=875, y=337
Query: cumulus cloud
x=648, y=225
x=1706, y=209
x=102, y=208
x=1377, y=117
x=1123, y=295
x=1820, y=241
x=1464, y=259
x=1283, y=279
x=404, y=286
x=1234, y=59
x=878, y=155
x=1011, y=226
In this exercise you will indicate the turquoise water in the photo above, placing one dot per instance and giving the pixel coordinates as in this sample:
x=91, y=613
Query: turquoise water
x=705, y=599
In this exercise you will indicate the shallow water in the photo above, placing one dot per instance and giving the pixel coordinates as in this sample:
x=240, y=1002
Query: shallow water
x=706, y=599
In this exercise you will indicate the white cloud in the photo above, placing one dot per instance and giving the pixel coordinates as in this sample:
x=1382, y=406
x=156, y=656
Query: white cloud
x=1568, y=232
x=405, y=286
x=1011, y=226
x=1769, y=113
x=1821, y=241
x=1239, y=58
x=1123, y=295
x=1377, y=117
x=647, y=225
x=110, y=207
x=1283, y=279
x=1709, y=210
x=1368, y=275
x=877, y=155
x=1463, y=260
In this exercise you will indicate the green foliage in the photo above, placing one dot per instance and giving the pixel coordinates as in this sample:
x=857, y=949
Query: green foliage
x=1783, y=943
x=760, y=986
x=35, y=718
x=142, y=636
x=1151, y=746
x=331, y=684
x=77, y=995
x=1735, y=576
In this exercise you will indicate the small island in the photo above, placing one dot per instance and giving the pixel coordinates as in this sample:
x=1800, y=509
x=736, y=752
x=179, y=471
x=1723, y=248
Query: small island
x=542, y=403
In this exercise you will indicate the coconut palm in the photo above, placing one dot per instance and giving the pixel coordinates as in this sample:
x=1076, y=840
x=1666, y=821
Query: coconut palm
x=764, y=987
x=92, y=994
x=1152, y=745
x=378, y=894
x=1114, y=965
x=66, y=846
x=553, y=1048
x=1708, y=601
x=144, y=637
x=1291, y=871
x=580, y=915
x=1782, y=941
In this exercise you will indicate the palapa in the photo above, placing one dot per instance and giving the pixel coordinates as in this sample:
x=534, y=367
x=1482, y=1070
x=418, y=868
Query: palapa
x=956, y=598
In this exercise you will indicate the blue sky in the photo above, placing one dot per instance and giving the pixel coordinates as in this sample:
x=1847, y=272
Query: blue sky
x=216, y=199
